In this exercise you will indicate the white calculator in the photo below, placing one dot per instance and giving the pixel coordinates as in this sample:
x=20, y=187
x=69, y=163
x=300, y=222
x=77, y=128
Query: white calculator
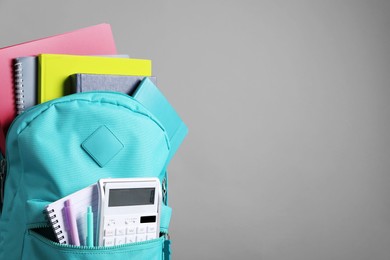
x=129, y=210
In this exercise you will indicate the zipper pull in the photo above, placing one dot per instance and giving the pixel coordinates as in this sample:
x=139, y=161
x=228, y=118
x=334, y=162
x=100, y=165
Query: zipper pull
x=3, y=165
x=167, y=247
x=164, y=190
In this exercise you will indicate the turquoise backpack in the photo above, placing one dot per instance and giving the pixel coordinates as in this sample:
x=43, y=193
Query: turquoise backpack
x=45, y=162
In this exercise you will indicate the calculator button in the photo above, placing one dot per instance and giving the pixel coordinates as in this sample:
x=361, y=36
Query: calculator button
x=131, y=231
x=141, y=230
x=141, y=238
x=151, y=229
x=130, y=239
x=108, y=241
x=120, y=231
x=109, y=232
x=120, y=240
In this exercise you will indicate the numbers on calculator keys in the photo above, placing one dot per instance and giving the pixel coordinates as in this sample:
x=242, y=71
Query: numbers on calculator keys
x=119, y=230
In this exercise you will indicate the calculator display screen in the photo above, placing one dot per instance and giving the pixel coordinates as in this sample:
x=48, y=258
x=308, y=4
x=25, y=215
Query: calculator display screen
x=131, y=197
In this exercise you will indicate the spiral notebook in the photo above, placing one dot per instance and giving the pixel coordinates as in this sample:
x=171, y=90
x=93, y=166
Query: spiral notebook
x=25, y=77
x=81, y=199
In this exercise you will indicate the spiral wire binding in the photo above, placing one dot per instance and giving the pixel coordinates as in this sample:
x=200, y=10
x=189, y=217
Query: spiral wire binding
x=19, y=89
x=52, y=217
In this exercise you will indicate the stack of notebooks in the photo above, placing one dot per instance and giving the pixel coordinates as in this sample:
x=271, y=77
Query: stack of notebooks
x=84, y=60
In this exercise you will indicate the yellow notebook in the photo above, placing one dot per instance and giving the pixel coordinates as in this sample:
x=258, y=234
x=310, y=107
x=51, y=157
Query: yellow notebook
x=55, y=69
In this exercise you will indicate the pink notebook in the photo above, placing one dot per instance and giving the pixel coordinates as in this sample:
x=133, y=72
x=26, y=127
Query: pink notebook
x=94, y=40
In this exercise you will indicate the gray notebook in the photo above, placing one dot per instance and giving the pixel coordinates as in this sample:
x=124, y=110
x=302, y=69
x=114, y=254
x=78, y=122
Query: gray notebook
x=82, y=82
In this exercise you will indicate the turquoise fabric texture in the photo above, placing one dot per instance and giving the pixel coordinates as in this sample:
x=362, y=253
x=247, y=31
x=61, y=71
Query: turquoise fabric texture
x=67, y=144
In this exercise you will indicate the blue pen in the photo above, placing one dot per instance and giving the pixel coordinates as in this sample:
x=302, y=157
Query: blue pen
x=89, y=238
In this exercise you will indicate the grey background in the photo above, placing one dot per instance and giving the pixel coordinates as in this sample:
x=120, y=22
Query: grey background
x=287, y=106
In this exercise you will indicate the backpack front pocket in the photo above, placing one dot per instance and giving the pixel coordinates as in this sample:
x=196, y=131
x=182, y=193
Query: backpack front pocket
x=39, y=247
